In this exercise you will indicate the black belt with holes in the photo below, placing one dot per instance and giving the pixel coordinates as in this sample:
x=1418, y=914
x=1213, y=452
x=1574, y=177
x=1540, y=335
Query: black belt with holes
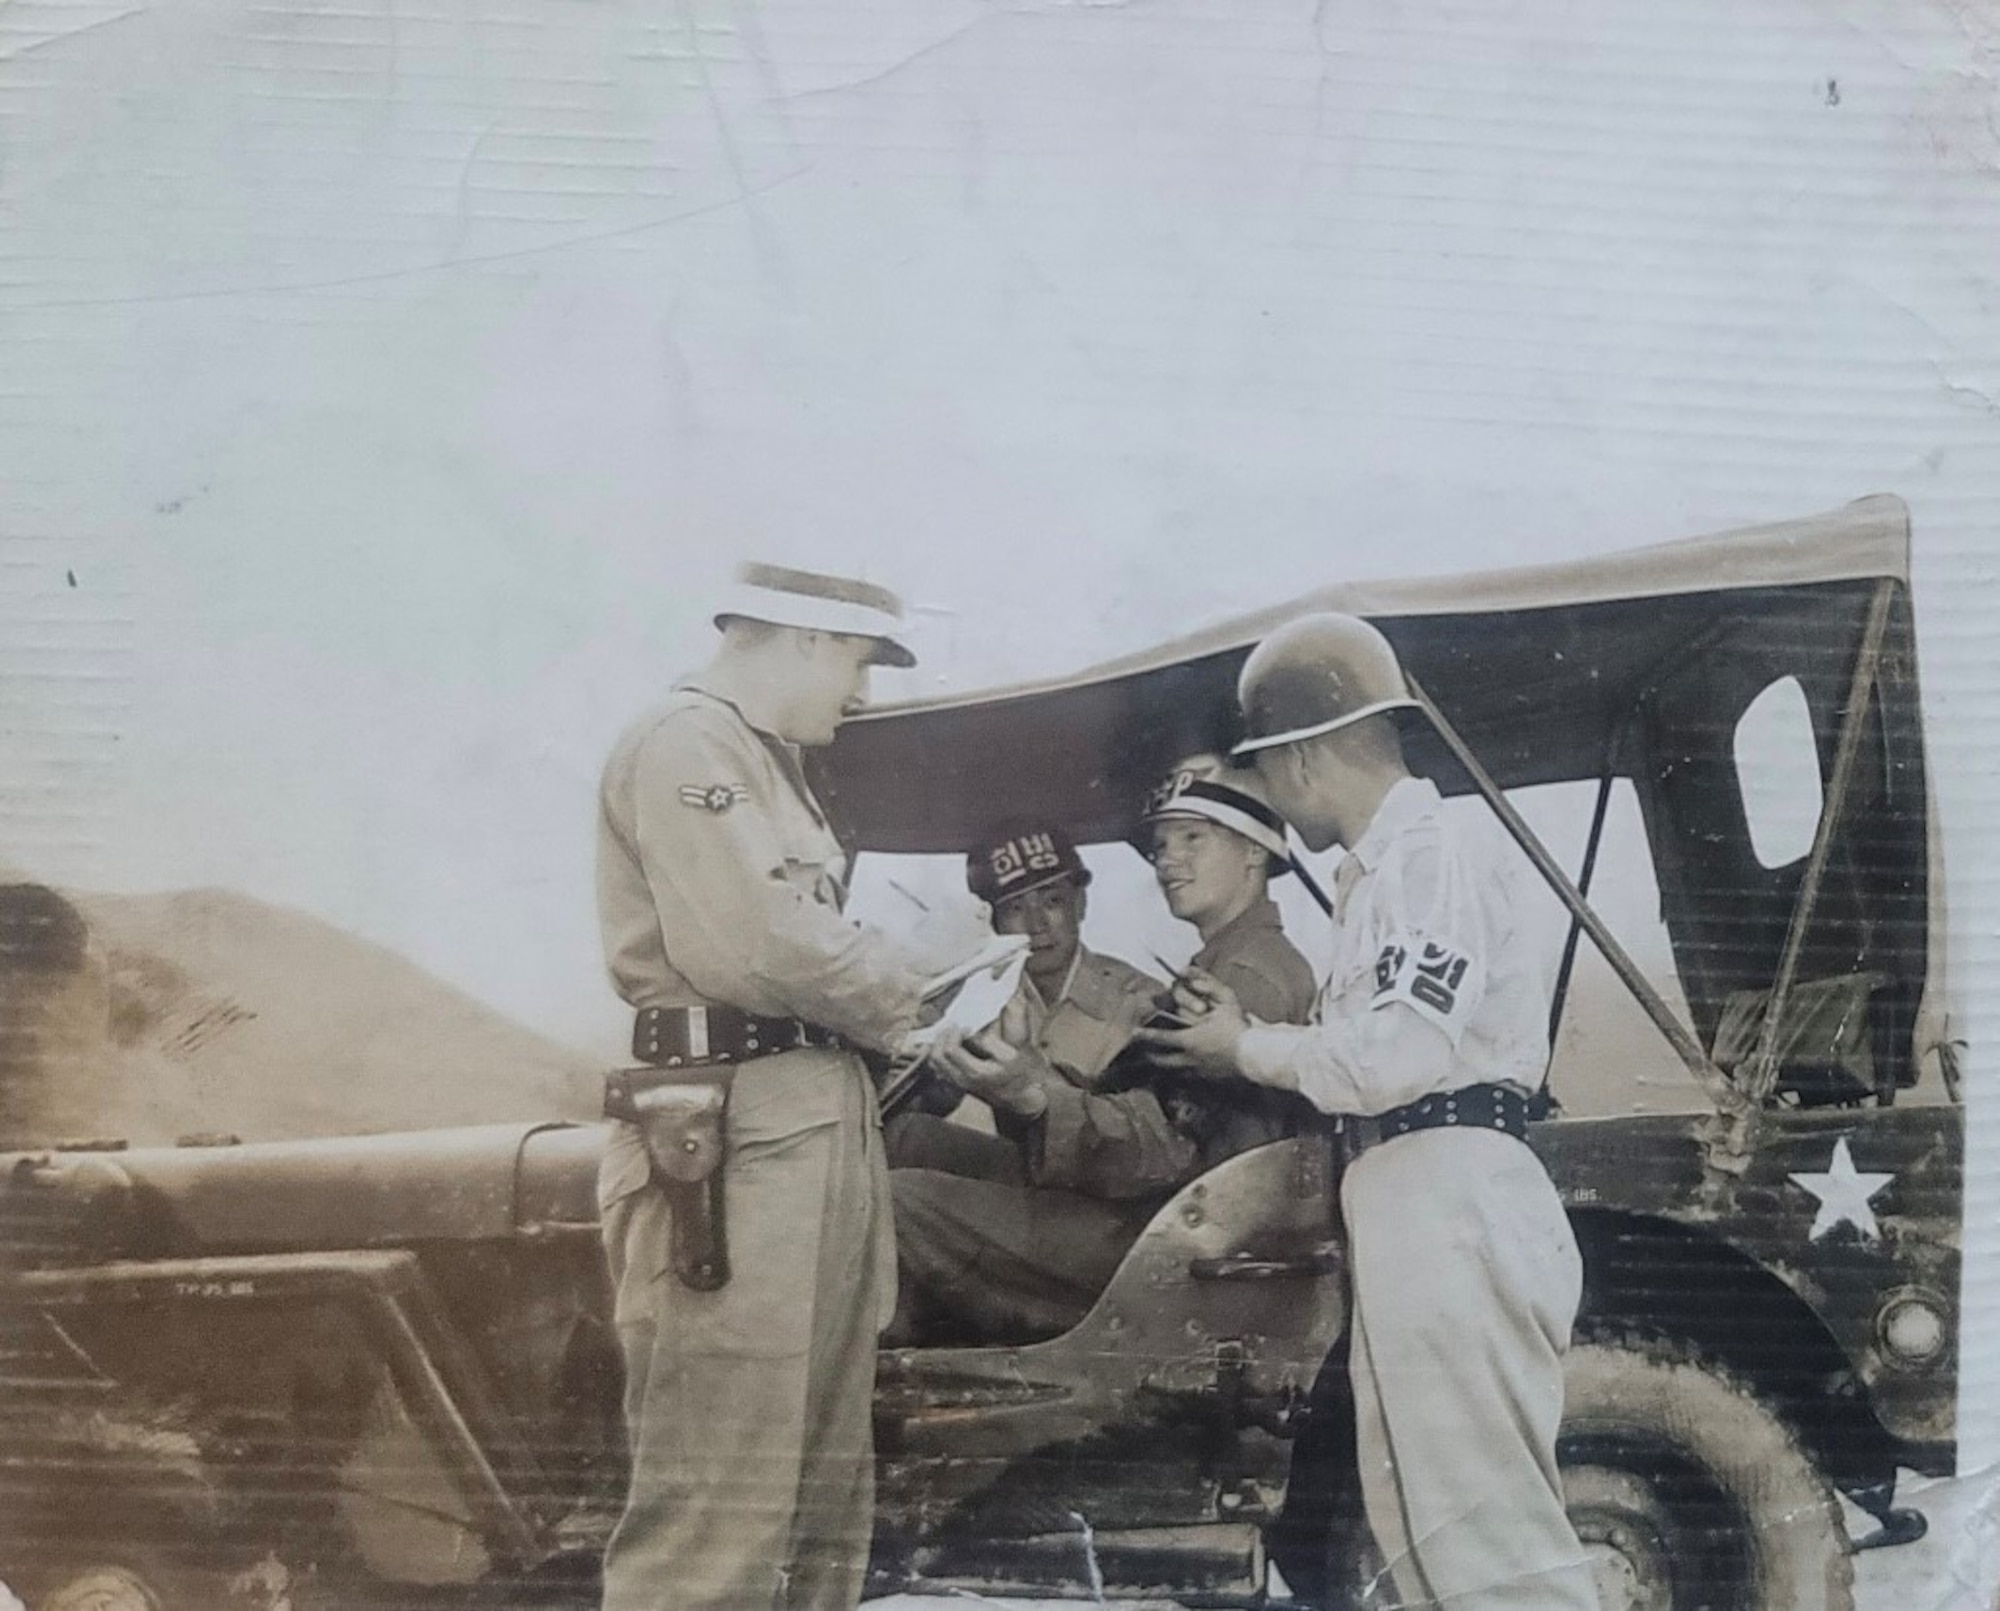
x=1499, y=1108
x=688, y=1037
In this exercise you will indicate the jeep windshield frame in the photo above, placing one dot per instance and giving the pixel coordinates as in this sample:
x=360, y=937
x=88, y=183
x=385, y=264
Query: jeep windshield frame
x=1633, y=665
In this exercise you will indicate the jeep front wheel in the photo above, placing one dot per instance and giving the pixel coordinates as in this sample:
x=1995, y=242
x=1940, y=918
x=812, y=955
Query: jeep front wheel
x=1688, y=1492
x=102, y=1588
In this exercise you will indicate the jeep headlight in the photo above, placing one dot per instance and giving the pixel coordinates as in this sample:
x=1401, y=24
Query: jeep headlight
x=1911, y=1328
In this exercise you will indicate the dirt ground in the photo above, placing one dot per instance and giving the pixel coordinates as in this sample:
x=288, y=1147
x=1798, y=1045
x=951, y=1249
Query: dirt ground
x=1955, y=1567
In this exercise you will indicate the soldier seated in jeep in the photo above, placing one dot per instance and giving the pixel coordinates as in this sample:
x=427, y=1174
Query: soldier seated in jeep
x=1078, y=1008
x=1084, y=1157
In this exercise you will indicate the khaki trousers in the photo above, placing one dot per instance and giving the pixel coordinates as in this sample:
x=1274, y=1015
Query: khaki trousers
x=1466, y=1282
x=925, y=1141
x=749, y=1410
x=990, y=1261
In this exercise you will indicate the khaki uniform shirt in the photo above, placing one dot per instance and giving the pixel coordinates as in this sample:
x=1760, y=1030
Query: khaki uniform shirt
x=1104, y=1002
x=719, y=880
x=1426, y=921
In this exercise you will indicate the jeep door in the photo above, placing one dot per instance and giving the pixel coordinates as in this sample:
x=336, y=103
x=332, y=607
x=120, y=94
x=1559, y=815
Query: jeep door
x=1145, y=1449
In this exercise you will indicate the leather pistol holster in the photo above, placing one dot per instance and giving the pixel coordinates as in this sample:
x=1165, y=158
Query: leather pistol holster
x=682, y=1114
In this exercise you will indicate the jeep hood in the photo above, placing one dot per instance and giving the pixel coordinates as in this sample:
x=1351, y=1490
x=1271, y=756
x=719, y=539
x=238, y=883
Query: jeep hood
x=477, y=1183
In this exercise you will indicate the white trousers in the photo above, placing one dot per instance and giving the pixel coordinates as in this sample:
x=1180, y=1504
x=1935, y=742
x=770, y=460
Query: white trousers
x=1466, y=1282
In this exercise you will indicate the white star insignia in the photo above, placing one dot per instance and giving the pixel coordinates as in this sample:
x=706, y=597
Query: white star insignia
x=1843, y=1193
x=717, y=797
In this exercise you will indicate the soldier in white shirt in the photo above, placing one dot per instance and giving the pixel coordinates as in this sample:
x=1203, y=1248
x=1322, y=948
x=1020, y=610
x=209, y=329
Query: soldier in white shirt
x=1429, y=1035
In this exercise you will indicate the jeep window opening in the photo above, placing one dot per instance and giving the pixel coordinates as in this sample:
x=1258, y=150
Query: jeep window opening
x=1737, y=1102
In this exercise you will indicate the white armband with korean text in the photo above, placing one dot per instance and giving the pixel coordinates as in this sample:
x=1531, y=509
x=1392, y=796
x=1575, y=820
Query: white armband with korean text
x=1440, y=980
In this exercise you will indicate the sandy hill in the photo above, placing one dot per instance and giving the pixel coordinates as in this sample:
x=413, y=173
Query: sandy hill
x=207, y=1011
x=150, y=1017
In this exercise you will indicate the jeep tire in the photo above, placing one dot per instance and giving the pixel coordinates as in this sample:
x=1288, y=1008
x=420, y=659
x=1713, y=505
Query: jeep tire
x=103, y=1588
x=106, y=1551
x=1689, y=1492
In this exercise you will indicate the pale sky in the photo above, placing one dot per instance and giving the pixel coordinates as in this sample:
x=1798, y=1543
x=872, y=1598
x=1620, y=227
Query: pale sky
x=387, y=387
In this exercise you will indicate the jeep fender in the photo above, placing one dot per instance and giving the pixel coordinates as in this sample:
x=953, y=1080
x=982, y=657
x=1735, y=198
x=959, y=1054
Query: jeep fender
x=1745, y=1268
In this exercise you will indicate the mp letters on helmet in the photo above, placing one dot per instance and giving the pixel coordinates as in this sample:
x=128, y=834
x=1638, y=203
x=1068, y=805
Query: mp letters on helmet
x=1167, y=788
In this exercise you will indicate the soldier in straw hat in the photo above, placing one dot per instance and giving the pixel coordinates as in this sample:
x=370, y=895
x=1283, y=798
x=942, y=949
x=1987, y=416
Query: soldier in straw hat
x=749, y=1360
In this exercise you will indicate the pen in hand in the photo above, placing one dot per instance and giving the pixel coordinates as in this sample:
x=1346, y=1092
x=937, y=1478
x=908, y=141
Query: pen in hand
x=1183, y=997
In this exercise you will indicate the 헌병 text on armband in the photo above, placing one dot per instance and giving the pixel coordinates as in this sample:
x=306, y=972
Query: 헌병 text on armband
x=1437, y=980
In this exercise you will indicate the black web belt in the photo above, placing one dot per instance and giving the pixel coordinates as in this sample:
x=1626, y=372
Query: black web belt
x=691, y=1037
x=679, y=1104
x=1499, y=1108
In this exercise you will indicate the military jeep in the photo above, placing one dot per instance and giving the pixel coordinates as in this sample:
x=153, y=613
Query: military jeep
x=378, y=1370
